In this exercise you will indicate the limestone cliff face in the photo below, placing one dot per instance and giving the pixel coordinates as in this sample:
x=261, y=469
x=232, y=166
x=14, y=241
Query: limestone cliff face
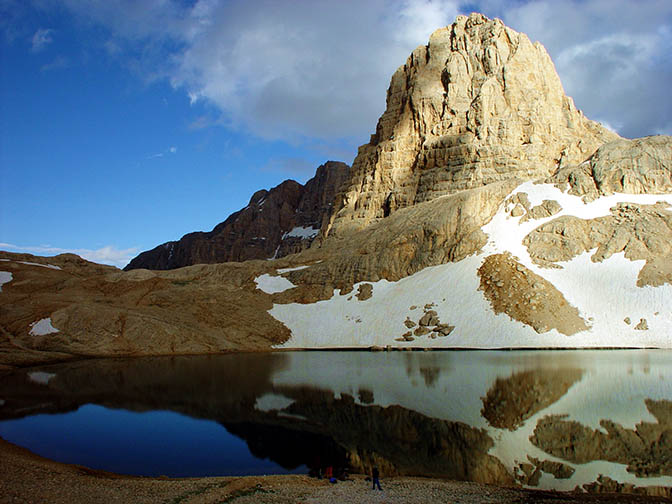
x=478, y=104
x=274, y=224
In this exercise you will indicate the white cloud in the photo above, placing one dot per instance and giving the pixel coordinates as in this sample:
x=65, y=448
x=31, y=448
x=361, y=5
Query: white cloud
x=418, y=19
x=58, y=63
x=170, y=150
x=106, y=255
x=41, y=39
x=298, y=166
x=319, y=70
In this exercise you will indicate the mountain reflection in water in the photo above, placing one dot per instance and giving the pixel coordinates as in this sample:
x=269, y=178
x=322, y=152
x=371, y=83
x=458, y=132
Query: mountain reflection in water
x=549, y=419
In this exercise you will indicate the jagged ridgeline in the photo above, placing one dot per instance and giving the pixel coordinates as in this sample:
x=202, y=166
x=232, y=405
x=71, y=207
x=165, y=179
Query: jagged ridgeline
x=274, y=224
x=486, y=211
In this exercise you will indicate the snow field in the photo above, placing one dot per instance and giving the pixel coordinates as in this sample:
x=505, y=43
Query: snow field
x=301, y=232
x=5, y=277
x=272, y=284
x=605, y=294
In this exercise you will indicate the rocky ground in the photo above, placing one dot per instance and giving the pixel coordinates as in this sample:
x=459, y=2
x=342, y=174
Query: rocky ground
x=27, y=478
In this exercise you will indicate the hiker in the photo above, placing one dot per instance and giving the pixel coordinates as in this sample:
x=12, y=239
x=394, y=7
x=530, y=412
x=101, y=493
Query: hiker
x=375, y=475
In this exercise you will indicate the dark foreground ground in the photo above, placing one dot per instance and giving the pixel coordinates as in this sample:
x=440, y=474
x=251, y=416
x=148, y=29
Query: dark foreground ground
x=25, y=477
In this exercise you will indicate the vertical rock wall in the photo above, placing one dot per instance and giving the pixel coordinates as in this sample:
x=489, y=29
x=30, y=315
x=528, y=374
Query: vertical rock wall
x=480, y=103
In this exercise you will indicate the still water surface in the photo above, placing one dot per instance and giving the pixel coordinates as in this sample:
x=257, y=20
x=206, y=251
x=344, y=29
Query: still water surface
x=548, y=419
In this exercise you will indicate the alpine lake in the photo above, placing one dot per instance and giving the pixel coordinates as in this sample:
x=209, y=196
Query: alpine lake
x=557, y=419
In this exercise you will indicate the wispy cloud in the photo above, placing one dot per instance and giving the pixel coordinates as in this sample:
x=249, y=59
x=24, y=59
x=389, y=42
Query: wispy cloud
x=58, y=63
x=298, y=166
x=109, y=254
x=203, y=122
x=170, y=150
x=41, y=39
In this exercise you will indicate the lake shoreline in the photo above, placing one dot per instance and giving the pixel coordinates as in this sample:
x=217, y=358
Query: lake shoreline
x=26, y=477
x=21, y=358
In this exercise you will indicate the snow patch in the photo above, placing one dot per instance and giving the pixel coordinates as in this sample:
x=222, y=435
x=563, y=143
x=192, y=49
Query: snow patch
x=40, y=377
x=287, y=270
x=171, y=249
x=42, y=327
x=272, y=402
x=275, y=254
x=273, y=284
x=301, y=232
x=50, y=266
x=5, y=277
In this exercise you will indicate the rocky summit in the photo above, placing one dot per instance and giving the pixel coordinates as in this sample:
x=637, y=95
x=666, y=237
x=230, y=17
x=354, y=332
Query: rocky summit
x=479, y=104
x=486, y=211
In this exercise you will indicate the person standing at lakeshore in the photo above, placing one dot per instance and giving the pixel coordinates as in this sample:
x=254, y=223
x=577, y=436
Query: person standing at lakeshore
x=375, y=476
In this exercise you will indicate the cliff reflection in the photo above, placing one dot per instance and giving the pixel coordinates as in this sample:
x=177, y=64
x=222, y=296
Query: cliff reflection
x=497, y=417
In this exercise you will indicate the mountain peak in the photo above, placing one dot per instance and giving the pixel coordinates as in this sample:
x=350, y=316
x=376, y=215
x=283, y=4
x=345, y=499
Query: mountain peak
x=480, y=103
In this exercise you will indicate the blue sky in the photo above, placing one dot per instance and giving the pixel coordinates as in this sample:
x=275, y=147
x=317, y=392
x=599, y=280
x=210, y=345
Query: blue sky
x=128, y=123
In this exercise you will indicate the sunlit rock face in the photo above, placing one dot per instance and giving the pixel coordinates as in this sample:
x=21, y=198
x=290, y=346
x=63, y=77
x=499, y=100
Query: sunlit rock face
x=478, y=104
x=587, y=420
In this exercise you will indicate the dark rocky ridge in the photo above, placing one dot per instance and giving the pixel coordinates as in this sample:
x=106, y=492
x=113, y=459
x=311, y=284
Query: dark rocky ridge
x=261, y=230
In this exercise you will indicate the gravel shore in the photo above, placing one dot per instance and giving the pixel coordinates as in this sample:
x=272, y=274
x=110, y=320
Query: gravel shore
x=28, y=478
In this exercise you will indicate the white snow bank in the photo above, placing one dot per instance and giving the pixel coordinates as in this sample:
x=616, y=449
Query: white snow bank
x=272, y=284
x=506, y=233
x=605, y=294
x=40, y=377
x=5, y=277
x=42, y=327
x=301, y=232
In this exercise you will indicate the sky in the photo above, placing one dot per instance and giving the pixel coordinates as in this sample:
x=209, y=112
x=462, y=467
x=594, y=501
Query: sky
x=128, y=123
